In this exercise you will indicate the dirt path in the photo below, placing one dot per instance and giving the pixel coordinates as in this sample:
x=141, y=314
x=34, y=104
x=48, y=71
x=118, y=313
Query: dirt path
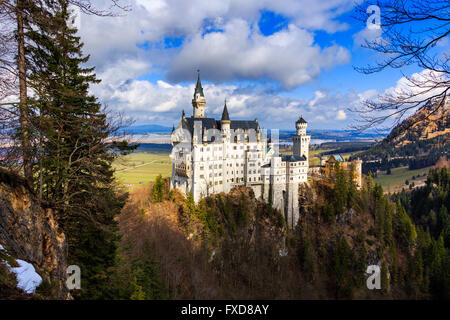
x=141, y=165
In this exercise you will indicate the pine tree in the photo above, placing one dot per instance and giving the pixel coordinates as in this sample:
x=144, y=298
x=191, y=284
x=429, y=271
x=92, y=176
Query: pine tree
x=342, y=265
x=138, y=293
x=328, y=212
x=308, y=259
x=158, y=189
x=75, y=160
x=190, y=204
x=340, y=190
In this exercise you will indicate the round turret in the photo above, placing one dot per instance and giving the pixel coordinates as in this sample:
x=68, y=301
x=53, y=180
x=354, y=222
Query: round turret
x=301, y=125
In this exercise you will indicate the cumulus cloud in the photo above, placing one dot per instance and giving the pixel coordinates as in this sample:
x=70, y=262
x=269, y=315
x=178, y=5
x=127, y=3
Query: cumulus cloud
x=289, y=57
x=410, y=93
x=341, y=115
x=140, y=34
x=419, y=86
x=162, y=103
x=367, y=35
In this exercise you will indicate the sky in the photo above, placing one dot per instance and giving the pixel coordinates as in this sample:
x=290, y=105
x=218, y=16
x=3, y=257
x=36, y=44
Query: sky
x=271, y=60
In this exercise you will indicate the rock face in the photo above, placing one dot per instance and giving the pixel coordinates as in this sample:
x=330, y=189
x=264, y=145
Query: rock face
x=30, y=232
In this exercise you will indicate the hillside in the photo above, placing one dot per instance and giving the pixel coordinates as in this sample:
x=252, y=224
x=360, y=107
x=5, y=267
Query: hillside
x=233, y=246
x=430, y=121
x=418, y=142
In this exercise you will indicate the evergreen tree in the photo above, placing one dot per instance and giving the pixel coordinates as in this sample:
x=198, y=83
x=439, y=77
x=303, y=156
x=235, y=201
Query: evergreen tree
x=190, y=204
x=342, y=269
x=340, y=190
x=158, y=189
x=308, y=258
x=328, y=212
x=138, y=293
x=75, y=157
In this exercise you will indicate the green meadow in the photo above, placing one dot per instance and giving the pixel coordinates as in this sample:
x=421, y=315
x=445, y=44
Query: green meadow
x=395, y=181
x=140, y=168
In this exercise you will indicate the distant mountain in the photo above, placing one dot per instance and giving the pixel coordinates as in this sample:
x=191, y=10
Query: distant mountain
x=336, y=135
x=285, y=135
x=419, y=141
x=147, y=128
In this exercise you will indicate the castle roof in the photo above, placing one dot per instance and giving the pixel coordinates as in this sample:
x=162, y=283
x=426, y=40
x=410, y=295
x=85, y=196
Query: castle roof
x=335, y=157
x=225, y=115
x=301, y=120
x=292, y=158
x=210, y=123
x=198, y=86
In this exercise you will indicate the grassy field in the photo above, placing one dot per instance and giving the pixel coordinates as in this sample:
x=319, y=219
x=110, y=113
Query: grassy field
x=140, y=168
x=396, y=180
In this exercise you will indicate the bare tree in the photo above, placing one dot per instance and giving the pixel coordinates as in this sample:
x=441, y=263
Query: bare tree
x=15, y=110
x=411, y=33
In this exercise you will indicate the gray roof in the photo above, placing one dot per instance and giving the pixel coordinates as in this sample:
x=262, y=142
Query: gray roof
x=244, y=124
x=198, y=86
x=209, y=123
x=301, y=120
x=225, y=115
x=292, y=158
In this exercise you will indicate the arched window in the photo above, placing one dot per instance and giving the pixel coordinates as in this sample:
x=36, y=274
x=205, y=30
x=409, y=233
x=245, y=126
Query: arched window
x=235, y=139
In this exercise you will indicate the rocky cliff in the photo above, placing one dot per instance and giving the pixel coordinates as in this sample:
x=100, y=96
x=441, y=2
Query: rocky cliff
x=428, y=122
x=30, y=232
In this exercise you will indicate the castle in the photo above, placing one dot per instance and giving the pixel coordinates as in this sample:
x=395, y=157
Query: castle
x=210, y=156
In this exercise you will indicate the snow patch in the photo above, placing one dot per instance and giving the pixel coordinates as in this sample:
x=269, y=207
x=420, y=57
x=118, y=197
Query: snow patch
x=1, y=248
x=27, y=277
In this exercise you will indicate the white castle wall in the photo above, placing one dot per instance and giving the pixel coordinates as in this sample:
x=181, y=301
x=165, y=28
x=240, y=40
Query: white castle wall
x=204, y=165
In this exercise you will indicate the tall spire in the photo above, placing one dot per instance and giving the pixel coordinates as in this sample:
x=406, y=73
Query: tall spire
x=225, y=115
x=198, y=87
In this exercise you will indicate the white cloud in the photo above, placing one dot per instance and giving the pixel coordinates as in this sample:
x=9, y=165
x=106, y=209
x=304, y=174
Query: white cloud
x=419, y=86
x=110, y=39
x=289, y=57
x=367, y=35
x=341, y=115
x=162, y=102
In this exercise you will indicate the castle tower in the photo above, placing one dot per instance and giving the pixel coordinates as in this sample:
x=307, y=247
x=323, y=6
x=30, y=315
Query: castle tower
x=358, y=172
x=225, y=121
x=300, y=139
x=199, y=101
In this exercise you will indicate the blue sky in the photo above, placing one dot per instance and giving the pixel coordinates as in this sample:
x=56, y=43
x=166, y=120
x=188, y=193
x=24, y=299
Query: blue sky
x=271, y=60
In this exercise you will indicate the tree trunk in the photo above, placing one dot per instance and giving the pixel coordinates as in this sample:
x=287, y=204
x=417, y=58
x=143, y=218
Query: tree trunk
x=23, y=106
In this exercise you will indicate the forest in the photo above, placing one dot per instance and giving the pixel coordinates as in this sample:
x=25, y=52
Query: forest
x=233, y=246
